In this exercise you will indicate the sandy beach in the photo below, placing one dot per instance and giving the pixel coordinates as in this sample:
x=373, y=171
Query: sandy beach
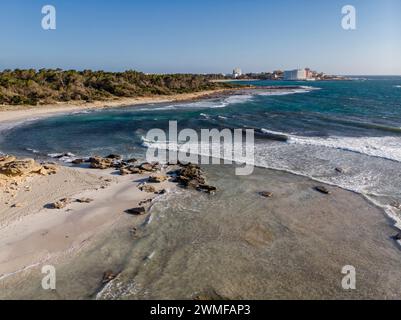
x=15, y=113
x=32, y=233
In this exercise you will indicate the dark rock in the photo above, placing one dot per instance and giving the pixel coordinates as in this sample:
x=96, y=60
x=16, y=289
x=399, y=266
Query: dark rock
x=162, y=191
x=322, y=189
x=147, y=201
x=396, y=204
x=207, y=188
x=114, y=156
x=108, y=276
x=397, y=237
x=340, y=170
x=78, y=161
x=84, y=200
x=266, y=194
x=133, y=160
x=101, y=163
x=136, y=211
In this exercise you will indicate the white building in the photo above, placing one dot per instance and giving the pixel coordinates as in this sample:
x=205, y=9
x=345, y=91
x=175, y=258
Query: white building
x=237, y=72
x=294, y=75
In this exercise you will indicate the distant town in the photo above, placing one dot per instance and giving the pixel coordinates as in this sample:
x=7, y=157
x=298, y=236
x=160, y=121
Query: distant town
x=305, y=74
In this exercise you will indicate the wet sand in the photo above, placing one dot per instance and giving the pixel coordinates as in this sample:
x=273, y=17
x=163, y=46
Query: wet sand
x=32, y=234
x=235, y=245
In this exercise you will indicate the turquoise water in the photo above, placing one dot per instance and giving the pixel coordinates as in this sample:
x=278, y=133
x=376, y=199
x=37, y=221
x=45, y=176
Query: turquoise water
x=355, y=125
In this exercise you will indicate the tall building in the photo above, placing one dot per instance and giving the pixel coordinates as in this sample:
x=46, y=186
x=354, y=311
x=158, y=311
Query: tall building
x=237, y=72
x=294, y=75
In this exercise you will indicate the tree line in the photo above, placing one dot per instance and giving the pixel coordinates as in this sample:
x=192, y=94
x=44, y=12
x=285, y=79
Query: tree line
x=45, y=86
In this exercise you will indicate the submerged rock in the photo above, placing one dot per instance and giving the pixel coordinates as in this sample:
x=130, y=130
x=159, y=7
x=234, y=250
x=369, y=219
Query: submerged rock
x=340, y=170
x=322, y=189
x=207, y=188
x=136, y=211
x=108, y=276
x=266, y=194
x=190, y=175
x=397, y=237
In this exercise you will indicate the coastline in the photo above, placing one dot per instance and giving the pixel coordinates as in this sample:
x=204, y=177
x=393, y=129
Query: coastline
x=323, y=233
x=26, y=243
x=34, y=233
x=10, y=113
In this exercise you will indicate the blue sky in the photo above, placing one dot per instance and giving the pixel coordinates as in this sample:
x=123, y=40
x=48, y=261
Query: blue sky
x=203, y=35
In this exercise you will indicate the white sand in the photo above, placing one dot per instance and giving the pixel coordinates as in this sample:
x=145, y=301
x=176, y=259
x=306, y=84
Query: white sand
x=17, y=113
x=33, y=234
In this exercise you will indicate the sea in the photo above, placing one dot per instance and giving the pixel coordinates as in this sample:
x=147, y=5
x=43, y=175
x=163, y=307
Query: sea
x=342, y=133
x=353, y=125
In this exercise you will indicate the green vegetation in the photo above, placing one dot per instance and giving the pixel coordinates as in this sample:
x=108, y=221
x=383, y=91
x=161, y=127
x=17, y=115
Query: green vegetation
x=31, y=87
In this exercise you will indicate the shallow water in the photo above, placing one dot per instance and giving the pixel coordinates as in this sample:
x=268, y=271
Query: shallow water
x=355, y=125
x=236, y=245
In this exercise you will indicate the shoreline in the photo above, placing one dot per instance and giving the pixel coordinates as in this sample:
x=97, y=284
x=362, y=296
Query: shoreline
x=106, y=200
x=258, y=226
x=34, y=233
x=11, y=113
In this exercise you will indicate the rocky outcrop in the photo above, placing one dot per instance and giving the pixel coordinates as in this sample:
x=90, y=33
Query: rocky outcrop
x=150, y=167
x=101, y=163
x=191, y=176
x=62, y=203
x=13, y=169
x=157, y=178
x=147, y=188
x=19, y=168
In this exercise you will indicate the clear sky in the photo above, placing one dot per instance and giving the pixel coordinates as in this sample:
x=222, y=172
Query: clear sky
x=203, y=35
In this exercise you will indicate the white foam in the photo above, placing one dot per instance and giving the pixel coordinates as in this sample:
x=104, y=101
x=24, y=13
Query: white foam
x=383, y=147
x=63, y=157
x=302, y=89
